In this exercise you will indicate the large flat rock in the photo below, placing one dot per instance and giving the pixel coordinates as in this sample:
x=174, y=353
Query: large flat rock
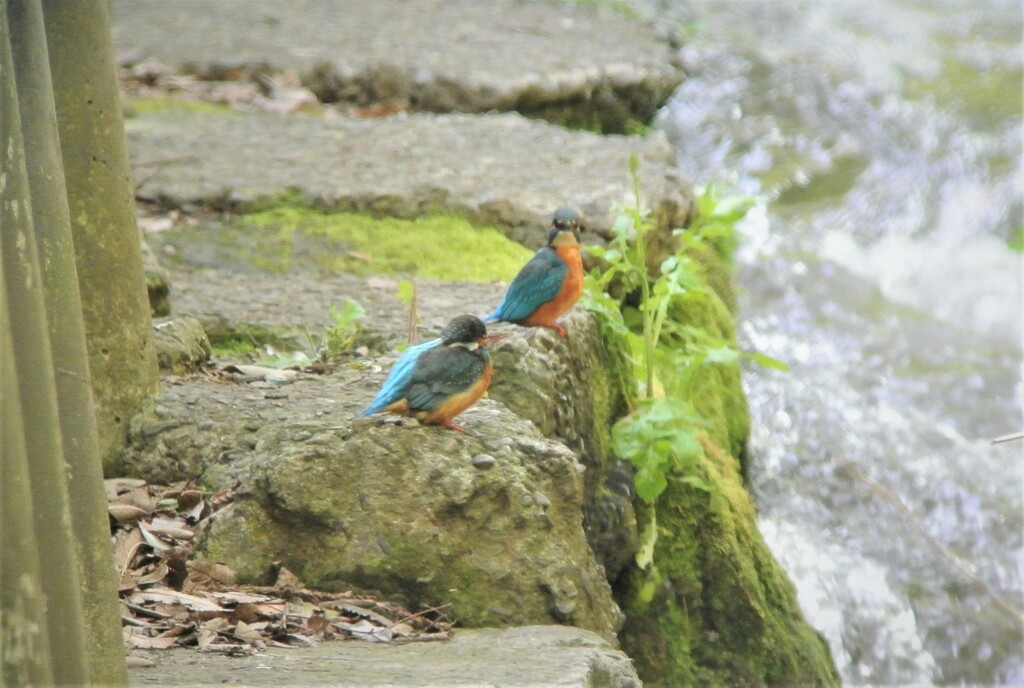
x=523, y=657
x=565, y=62
x=498, y=169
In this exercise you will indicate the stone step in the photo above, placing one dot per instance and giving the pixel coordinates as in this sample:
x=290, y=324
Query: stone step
x=563, y=62
x=521, y=657
x=495, y=169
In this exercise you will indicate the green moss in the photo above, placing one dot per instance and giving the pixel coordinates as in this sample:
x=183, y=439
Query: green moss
x=233, y=346
x=618, y=6
x=134, y=107
x=724, y=614
x=435, y=246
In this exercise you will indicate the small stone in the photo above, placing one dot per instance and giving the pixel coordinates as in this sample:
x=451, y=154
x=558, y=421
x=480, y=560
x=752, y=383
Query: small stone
x=301, y=436
x=161, y=411
x=545, y=520
x=505, y=442
x=563, y=609
x=206, y=425
x=542, y=499
x=484, y=462
x=150, y=429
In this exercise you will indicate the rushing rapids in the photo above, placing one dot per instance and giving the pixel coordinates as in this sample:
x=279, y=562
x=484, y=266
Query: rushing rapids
x=886, y=140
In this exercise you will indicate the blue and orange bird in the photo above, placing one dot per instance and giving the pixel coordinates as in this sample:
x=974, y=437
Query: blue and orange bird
x=437, y=380
x=550, y=282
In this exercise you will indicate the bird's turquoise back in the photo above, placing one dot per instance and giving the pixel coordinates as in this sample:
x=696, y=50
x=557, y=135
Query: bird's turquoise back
x=538, y=282
x=397, y=384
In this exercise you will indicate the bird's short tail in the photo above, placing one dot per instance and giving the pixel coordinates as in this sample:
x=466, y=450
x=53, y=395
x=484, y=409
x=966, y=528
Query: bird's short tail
x=496, y=315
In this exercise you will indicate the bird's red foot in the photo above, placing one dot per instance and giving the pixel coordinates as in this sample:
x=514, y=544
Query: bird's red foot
x=557, y=328
x=453, y=426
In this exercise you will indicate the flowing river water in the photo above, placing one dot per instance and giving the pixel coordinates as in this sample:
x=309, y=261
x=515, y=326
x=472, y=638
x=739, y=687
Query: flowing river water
x=886, y=138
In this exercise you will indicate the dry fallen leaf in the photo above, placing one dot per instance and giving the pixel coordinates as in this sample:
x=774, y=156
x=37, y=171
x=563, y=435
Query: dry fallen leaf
x=126, y=513
x=208, y=575
x=168, y=596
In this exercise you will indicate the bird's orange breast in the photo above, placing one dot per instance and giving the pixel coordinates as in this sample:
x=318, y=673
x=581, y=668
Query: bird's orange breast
x=457, y=403
x=567, y=296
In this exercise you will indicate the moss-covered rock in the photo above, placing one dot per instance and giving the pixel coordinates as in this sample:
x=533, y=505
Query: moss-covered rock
x=181, y=344
x=575, y=388
x=715, y=609
x=406, y=512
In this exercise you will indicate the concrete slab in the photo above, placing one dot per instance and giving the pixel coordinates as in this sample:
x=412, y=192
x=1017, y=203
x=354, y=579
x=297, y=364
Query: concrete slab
x=564, y=62
x=523, y=657
x=498, y=169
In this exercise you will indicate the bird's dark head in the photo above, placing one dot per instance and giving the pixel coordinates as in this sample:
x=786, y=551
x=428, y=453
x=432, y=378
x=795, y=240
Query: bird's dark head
x=467, y=330
x=565, y=228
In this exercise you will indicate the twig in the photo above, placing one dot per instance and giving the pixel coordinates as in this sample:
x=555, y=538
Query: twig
x=162, y=162
x=160, y=165
x=412, y=315
x=954, y=561
x=420, y=615
x=130, y=557
x=1008, y=438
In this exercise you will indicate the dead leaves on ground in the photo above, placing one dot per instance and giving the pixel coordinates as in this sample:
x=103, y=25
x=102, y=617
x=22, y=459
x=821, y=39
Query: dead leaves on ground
x=168, y=600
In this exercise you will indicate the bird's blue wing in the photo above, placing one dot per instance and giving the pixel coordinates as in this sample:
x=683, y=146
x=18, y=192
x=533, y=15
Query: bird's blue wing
x=397, y=383
x=537, y=283
x=441, y=374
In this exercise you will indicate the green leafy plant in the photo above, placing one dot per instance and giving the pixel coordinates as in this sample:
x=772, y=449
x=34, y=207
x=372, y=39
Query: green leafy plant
x=341, y=336
x=660, y=438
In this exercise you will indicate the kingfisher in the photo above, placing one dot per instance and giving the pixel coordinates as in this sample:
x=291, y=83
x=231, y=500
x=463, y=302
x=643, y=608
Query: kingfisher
x=439, y=379
x=550, y=282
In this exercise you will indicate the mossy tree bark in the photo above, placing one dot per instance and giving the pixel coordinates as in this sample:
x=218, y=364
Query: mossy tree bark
x=77, y=413
x=115, y=305
x=24, y=645
x=38, y=438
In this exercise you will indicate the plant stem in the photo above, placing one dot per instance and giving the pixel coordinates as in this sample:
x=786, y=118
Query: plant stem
x=640, y=223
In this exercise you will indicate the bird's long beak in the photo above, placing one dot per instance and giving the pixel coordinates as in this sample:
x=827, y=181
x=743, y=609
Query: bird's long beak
x=491, y=338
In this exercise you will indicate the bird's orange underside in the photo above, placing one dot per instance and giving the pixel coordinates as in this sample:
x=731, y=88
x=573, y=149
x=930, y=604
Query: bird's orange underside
x=572, y=287
x=450, y=407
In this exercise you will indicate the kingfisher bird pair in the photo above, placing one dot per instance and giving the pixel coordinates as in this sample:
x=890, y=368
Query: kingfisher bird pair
x=437, y=380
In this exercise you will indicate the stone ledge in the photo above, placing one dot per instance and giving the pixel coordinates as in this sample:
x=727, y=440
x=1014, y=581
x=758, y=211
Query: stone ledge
x=518, y=657
x=501, y=170
x=566, y=63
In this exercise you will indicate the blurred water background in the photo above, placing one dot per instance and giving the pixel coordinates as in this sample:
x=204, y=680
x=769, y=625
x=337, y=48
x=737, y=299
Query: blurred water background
x=886, y=136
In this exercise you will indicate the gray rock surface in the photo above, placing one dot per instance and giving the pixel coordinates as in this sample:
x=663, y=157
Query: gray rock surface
x=396, y=509
x=501, y=170
x=181, y=343
x=575, y=389
x=524, y=657
x=565, y=62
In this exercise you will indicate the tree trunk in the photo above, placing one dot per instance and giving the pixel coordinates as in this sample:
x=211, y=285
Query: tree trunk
x=77, y=413
x=24, y=645
x=115, y=305
x=32, y=377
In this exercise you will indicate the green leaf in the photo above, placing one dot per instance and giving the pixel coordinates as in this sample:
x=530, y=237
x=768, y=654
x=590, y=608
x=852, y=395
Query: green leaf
x=649, y=484
x=687, y=447
x=725, y=355
x=693, y=481
x=766, y=361
x=405, y=291
x=623, y=225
